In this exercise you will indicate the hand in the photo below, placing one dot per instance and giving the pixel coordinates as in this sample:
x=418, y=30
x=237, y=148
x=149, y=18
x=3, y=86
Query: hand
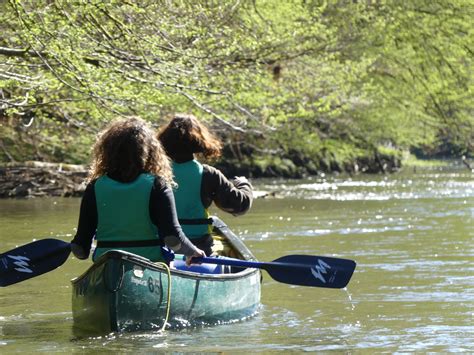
x=79, y=251
x=198, y=253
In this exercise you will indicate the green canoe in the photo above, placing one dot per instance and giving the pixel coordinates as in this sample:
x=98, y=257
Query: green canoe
x=125, y=292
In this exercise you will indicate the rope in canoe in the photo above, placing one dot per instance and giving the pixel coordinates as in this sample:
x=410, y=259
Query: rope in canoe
x=168, y=271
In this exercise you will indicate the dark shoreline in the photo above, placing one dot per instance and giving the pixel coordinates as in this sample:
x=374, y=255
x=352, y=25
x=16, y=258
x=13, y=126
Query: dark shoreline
x=40, y=179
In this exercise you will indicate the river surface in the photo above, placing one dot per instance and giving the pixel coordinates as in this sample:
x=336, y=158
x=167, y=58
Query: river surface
x=410, y=233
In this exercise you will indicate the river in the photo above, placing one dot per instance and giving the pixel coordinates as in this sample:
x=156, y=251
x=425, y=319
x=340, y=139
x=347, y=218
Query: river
x=411, y=234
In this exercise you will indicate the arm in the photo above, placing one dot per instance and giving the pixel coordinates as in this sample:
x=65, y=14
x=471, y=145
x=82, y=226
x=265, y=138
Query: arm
x=230, y=196
x=163, y=215
x=87, y=225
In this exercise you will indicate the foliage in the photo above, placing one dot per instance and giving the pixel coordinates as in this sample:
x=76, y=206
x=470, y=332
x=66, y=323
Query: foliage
x=308, y=80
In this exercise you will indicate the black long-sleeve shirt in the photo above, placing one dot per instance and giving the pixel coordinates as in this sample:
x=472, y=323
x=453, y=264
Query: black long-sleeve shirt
x=162, y=214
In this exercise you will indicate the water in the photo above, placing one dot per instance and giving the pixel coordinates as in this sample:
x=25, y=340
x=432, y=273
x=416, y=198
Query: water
x=411, y=234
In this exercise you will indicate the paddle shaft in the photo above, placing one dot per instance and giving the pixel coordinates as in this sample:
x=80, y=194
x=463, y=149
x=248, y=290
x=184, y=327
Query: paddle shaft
x=249, y=263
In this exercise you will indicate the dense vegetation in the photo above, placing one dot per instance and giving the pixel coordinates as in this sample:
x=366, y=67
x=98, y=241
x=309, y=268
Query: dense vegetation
x=319, y=84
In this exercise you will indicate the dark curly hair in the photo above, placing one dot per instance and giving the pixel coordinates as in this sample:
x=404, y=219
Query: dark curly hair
x=185, y=135
x=125, y=148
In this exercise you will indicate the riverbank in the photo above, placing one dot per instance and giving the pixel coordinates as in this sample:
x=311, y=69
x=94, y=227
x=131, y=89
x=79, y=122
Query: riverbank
x=37, y=179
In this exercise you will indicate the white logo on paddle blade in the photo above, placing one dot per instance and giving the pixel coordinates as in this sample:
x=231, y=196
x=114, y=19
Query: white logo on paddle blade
x=22, y=263
x=317, y=270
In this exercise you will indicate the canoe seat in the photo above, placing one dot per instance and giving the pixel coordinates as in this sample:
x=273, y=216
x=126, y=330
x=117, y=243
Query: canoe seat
x=202, y=268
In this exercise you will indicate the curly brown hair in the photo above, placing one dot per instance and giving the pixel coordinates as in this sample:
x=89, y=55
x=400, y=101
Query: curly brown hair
x=185, y=135
x=125, y=148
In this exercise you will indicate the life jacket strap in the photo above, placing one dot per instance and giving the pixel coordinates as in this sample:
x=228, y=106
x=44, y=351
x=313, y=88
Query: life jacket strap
x=128, y=243
x=196, y=221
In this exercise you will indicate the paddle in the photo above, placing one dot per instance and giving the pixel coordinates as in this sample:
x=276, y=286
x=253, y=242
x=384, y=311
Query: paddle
x=45, y=255
x=32, y=259
x=303, y=270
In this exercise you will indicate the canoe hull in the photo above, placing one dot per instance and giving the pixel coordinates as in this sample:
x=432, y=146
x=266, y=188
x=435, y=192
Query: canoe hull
x=125, y=292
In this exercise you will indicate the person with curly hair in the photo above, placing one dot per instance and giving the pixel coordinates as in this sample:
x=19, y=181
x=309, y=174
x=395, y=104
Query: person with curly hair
x=128, y=203
x=199, y=185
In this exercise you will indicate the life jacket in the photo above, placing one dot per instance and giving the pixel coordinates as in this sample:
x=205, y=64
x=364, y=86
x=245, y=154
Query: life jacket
x=192, y=215
x=124, y=218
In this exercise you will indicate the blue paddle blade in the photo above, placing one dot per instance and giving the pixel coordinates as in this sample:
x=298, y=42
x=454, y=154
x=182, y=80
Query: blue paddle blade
x=32, y=260
x=308, y=270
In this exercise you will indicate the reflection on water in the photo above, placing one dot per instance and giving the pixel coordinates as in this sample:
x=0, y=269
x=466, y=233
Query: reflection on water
x=402, y=186
x=410, y=233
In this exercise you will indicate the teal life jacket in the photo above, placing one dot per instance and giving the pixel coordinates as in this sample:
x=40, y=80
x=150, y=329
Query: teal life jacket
x=193, y=216
x=124, y=218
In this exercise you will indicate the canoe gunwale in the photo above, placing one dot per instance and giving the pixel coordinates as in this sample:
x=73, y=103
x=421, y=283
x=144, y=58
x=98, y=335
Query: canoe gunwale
x=146, y=263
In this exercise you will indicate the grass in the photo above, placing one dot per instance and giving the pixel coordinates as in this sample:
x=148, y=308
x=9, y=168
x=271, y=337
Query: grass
x=409, y=160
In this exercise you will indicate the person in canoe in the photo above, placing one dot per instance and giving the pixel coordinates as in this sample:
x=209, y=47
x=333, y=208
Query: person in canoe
x=199, y=185
x=128, y=203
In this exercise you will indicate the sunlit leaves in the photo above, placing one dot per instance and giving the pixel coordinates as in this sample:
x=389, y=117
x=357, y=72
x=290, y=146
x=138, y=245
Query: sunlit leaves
x=298, y=73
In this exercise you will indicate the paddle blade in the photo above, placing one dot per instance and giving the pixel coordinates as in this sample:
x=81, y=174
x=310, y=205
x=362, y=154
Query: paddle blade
x=32, y=260
x=308, y=270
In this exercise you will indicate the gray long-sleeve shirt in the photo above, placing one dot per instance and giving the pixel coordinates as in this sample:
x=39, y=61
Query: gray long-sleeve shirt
x=234, y=196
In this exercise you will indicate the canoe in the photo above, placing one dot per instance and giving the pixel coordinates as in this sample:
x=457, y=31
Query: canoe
x=124, y=292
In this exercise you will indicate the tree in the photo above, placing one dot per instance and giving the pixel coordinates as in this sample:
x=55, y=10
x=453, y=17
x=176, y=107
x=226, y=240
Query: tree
x=332, y=80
